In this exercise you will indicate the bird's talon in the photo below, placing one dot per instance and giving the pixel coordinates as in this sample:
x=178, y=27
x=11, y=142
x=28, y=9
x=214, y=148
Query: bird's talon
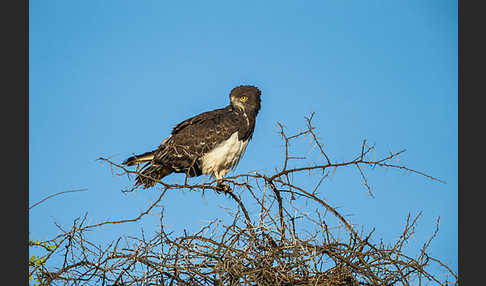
x=223, y=188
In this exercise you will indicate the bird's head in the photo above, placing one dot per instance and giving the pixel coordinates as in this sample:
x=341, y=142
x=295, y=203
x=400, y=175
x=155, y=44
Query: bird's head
x=246, y=98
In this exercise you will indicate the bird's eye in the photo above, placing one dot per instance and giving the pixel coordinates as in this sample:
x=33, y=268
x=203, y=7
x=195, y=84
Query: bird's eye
x=243, y=98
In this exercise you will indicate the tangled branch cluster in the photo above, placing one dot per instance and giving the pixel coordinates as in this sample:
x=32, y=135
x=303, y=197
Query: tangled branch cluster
x=276, y=244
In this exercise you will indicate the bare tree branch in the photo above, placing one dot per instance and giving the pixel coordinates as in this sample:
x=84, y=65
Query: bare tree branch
x=267, y=240
x=56, y=194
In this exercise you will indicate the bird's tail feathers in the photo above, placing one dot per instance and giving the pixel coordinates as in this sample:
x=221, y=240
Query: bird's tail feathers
x=151, y=175
x=138, y=159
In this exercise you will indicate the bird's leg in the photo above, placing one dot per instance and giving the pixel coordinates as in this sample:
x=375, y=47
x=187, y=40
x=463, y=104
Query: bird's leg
x=220, y=185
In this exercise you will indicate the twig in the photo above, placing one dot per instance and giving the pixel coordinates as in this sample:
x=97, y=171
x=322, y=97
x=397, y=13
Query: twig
x=53, y=195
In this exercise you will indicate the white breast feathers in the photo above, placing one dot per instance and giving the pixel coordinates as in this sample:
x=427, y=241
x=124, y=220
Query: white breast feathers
x=224, y=157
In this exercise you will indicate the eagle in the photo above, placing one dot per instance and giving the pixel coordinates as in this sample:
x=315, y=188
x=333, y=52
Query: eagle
x=210, y=143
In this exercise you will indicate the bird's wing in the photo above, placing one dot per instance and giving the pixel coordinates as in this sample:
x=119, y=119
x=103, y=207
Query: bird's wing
x=200, y=118
x=198, y=135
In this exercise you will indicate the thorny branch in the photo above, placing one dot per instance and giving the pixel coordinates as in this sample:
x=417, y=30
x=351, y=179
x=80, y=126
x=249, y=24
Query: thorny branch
x=277, y=244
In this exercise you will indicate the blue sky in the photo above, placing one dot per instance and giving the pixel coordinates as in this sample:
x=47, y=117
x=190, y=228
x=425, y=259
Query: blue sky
x=111, y=78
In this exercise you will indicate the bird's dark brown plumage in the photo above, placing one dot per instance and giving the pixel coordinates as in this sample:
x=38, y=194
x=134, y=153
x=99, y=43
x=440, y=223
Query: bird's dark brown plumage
x=190, y=142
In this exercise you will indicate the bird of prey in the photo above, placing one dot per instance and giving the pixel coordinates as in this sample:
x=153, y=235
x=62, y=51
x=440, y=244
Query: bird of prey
x=210, y=143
